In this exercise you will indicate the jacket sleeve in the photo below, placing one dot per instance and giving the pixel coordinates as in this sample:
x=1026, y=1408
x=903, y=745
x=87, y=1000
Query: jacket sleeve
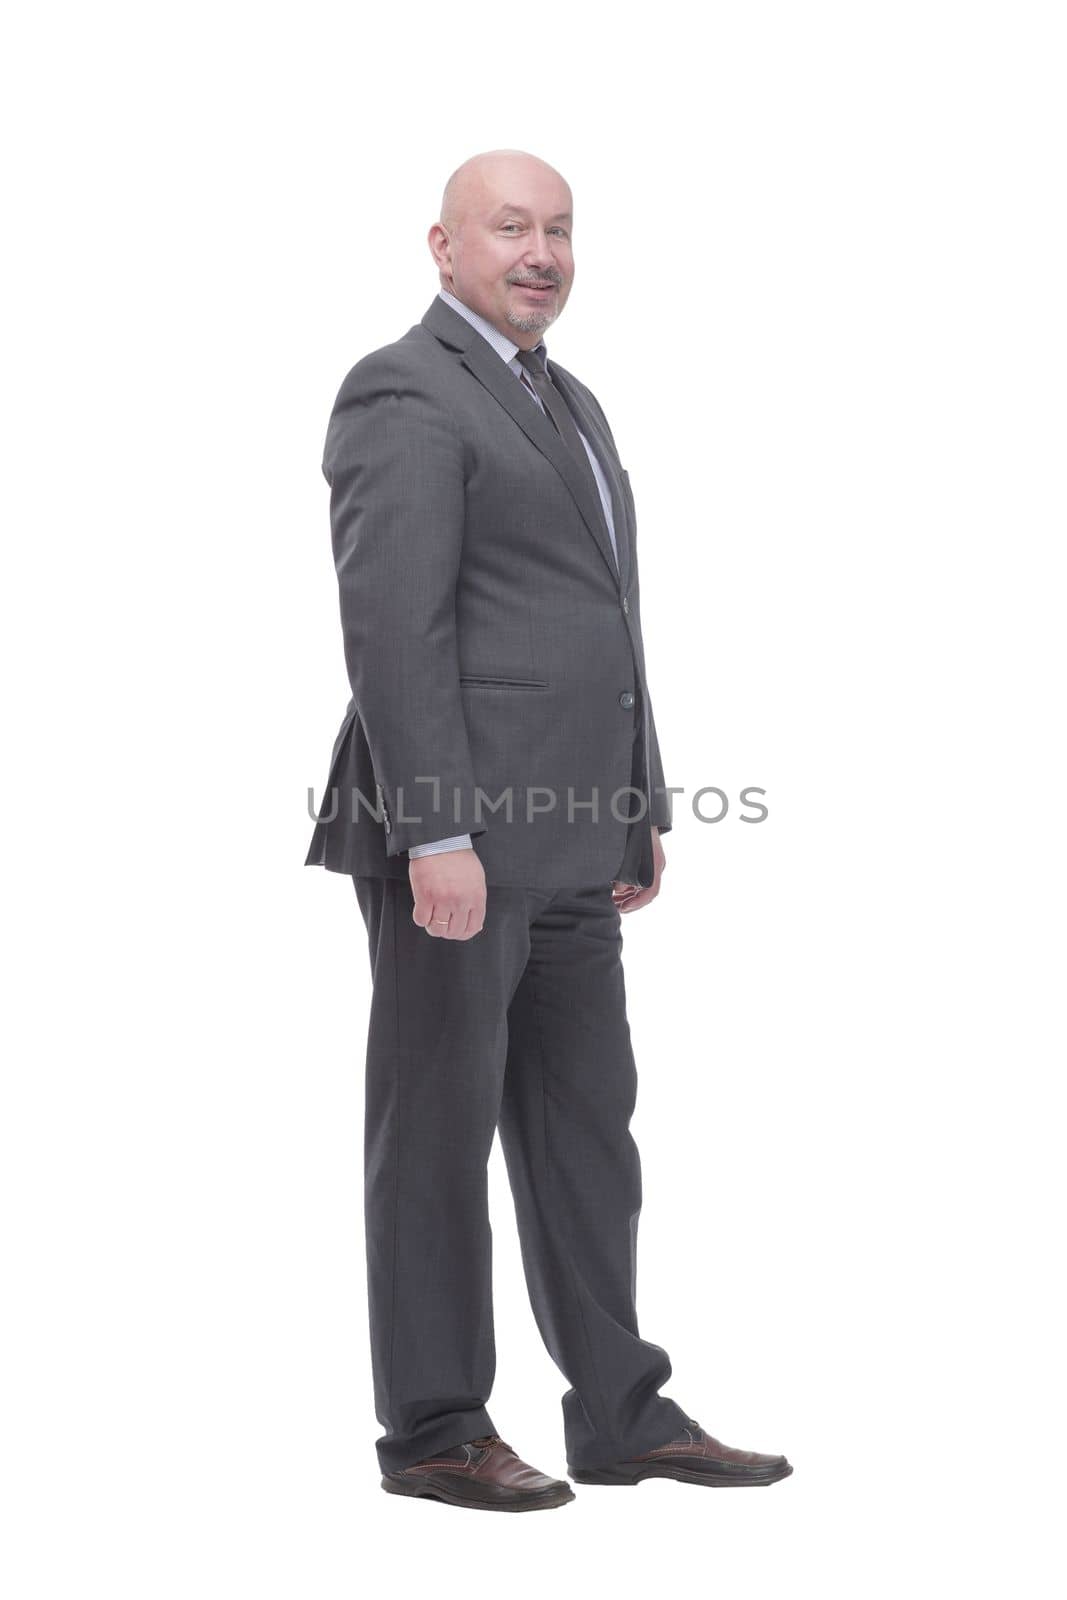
x=394, y=464
x=659, y=803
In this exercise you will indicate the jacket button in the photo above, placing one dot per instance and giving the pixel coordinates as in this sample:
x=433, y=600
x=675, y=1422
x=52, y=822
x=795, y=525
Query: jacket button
x=626, y=700
x=625, y=606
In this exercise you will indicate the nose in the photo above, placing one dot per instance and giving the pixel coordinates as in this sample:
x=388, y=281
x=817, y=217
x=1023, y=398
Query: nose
x=539, y=253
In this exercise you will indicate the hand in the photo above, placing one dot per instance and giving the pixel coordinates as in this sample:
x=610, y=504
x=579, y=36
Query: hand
x=449, y=887
x=627, y=896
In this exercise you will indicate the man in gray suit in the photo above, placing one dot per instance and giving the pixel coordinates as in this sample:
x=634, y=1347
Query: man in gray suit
x=497, y=795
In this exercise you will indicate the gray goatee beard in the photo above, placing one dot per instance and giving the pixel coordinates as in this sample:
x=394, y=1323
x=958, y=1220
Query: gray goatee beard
x=533, y=322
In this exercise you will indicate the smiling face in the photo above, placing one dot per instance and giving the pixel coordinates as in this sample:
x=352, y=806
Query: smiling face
x=503, y=244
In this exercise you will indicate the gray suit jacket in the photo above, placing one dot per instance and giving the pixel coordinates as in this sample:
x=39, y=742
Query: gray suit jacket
x=493, y=648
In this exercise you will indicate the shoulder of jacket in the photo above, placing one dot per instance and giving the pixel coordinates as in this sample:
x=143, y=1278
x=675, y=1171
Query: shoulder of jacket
x=409, y=374
x=410, y=363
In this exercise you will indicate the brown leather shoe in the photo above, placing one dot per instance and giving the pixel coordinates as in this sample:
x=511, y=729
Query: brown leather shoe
x=694, y=1457
x=484, y=1474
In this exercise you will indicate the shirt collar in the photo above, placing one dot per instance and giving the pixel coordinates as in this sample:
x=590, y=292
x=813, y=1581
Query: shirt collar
x=505, y=348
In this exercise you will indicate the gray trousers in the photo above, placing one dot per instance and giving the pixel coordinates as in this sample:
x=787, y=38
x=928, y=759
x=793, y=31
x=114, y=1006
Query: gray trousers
x=523, y=1028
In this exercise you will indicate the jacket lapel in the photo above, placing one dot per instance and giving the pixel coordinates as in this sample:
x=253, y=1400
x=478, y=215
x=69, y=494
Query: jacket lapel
x=485, y=365
x=609, y=463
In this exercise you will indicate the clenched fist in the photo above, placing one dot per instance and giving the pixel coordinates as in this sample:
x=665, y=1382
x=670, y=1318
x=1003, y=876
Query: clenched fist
x=449, y=889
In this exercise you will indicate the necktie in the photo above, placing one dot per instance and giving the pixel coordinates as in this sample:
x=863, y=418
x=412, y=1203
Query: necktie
x=559, y=412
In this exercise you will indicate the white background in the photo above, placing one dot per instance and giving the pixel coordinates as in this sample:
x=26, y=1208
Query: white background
x=819, y=292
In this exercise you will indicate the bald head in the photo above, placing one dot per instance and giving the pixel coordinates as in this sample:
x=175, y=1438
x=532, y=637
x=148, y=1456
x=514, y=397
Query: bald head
x=503, y=241
x=484, y=176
